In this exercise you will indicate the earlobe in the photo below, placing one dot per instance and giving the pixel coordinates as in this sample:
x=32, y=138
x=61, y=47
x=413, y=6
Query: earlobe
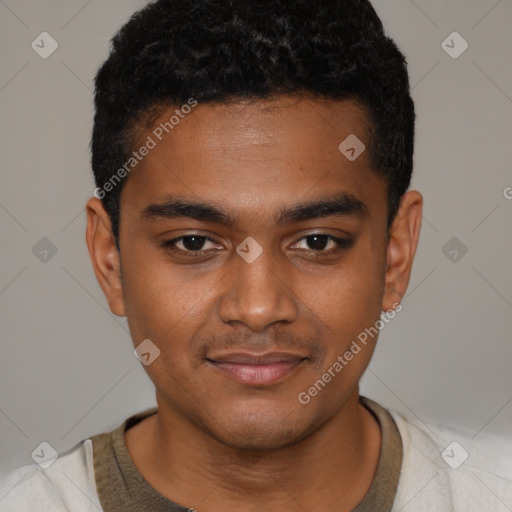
x=402, y=245
x=104, y=255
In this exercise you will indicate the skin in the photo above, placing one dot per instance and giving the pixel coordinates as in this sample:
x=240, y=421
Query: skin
x=217, y=443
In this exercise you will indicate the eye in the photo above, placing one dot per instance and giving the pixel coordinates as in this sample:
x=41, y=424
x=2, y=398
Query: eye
x=189, y=245
x=318, y=242
x=199, y=245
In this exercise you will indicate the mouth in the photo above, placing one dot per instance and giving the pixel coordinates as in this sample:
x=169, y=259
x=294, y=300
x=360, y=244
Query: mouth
x=257, y=370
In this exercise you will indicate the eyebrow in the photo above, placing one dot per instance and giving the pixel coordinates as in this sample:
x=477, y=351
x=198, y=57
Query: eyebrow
x=340, y=205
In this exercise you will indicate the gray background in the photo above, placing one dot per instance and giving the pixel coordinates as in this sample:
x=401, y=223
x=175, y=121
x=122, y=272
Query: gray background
x=67, y=369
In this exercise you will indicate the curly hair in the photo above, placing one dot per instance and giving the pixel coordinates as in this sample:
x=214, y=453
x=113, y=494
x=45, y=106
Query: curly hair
x=224, y=50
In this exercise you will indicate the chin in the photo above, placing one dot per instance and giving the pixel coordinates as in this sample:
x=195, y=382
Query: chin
x=259, y=440
x=258, y=432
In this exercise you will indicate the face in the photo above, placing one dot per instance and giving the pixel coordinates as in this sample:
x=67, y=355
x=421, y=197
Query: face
x=253, y=252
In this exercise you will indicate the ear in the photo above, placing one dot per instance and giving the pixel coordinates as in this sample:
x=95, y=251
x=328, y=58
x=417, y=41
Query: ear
x=104, y=255
x=403, y=241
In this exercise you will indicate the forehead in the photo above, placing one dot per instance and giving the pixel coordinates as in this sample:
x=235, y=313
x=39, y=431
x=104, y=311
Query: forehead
x=267, y=124
x=255, y=154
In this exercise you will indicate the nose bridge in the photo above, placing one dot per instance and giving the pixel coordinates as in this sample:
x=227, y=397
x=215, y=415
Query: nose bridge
x=257, y=294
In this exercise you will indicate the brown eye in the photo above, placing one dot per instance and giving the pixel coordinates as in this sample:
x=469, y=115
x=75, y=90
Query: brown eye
x=191, y=245
x=193, y=242
x=318, y=242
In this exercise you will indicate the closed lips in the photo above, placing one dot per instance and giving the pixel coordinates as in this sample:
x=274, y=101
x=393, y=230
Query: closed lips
x=257, y=370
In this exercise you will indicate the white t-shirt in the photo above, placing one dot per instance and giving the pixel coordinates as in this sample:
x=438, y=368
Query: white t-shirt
x=444, y=469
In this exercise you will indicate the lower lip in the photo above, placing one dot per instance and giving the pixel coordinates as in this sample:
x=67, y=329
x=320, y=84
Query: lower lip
x=258, y=374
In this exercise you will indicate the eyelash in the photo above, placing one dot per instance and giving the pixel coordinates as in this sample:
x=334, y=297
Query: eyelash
x=342, y=243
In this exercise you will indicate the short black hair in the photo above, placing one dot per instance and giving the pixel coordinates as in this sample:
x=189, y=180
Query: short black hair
x=223, y=50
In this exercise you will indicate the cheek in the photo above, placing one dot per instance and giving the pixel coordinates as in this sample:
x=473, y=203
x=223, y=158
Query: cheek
x=168, y=309
x=350, y=297
x=160, y=300
x=348, y=302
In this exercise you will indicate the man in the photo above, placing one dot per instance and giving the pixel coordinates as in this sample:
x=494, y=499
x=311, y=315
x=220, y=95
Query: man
x=252, y=220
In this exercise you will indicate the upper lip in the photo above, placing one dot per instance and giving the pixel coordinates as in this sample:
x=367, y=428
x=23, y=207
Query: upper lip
x=250, y=358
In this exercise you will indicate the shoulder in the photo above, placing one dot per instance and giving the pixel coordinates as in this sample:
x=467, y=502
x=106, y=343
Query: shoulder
x=447, y=467
x=65, y=486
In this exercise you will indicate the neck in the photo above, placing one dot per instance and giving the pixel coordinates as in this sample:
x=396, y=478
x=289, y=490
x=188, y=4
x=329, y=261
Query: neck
x=335, y=464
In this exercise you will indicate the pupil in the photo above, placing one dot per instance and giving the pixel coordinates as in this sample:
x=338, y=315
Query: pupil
x=193, y=243
x=320, y=241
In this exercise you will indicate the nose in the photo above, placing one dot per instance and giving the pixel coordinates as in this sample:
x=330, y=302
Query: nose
x=258, y=294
